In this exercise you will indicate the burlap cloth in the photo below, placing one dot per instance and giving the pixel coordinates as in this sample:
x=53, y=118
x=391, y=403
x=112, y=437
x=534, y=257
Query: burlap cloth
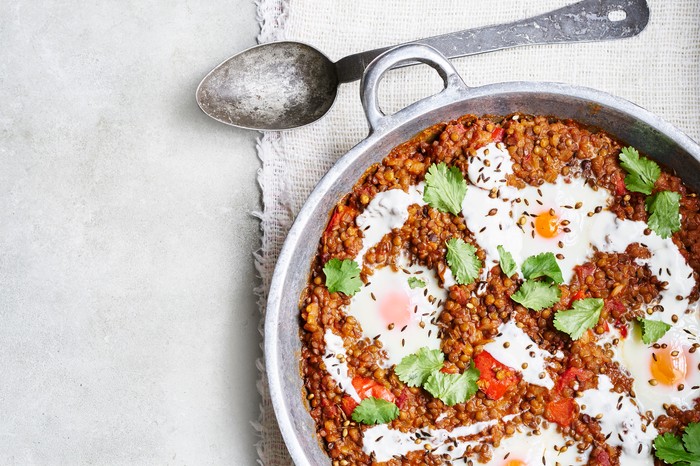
x=659, y=70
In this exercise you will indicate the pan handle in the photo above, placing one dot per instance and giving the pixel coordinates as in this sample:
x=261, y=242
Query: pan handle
x=402, y=54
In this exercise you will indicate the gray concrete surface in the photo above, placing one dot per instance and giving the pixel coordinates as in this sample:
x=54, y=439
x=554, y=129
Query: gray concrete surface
x=127, y=315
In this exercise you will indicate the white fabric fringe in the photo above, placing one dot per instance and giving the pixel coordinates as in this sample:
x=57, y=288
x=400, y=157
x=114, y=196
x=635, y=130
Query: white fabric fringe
x=659, y=70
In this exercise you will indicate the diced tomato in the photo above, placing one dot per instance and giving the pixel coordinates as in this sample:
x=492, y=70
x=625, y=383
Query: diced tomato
x=615, y=305
x=616, y=309
x=497, y=134
x=496, y=378
x=620, y=188
x=583, y=271
x=580, y=294
x=402, y=399
x=622, y=327
x=367, y=387
x=348, y=405
x=560, y=411
x=569, y=375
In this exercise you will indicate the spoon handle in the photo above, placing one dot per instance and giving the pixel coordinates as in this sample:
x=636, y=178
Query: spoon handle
x=585, y=21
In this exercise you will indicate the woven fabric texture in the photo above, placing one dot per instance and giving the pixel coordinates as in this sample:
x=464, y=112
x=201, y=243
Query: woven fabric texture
x=659, y=70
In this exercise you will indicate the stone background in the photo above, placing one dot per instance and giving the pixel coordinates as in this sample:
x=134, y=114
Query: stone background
x=128, y=324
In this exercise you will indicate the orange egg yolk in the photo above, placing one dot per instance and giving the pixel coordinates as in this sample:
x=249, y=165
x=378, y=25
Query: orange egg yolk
x=669, y=365
x=515, y=463
x=395, y=308
x=547, y=225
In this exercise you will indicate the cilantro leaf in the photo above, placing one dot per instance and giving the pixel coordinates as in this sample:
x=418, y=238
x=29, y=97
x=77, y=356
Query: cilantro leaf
x=461, y=257
x=414, y=369
x=691, y=438
x=453, y=388
x=375, y=411
x=670, y=449
x=652, y=330
x=664, y=215
x=414, y=282
x=445, y=188
x=584, y=315
x=643, y=172
x=542, y=265
x=508, y=266
x=537, y=295
x=343, y=276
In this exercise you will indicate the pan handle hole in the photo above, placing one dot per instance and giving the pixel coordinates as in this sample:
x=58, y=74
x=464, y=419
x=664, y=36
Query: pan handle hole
x=617, y=15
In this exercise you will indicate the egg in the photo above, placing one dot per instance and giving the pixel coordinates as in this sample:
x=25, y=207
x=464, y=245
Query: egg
x=665, y=372
x=399, y=316
x=530, y=449
x=554, y=217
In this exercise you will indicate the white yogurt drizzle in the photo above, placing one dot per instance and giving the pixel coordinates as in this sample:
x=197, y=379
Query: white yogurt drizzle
x=338, y=367
x=489, y=230
x=620, y=420
x=386, y=211
x=520, y=351
x=385, y=443
x=666, y=261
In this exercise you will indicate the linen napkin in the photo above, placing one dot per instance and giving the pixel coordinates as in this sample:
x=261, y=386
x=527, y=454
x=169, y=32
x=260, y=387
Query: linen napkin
x=659, y=70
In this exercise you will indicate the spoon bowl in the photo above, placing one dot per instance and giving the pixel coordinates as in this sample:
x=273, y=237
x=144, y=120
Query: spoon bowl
x=274, y=86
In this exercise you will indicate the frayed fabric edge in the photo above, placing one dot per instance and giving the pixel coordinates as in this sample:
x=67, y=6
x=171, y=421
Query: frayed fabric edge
x=271, y=16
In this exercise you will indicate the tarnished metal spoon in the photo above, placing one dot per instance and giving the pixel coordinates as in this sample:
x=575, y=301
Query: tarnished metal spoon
x=284, y=85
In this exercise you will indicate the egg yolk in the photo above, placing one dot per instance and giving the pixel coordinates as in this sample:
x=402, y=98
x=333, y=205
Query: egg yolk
x=395, y=308
x=515, y=463
x=547, y=224
x=669, y=365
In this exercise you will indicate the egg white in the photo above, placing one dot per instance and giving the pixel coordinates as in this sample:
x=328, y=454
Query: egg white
x=493, y=212
x=425, y=304
x=637, y=358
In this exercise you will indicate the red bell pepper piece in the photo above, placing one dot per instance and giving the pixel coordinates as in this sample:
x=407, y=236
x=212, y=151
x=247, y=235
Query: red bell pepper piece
x=620, y=188
x=583, y=271
x=497, y=134
x=402, y=399
x=580, y=294
x=367, y=387
x=560, y=411
x=348, y=405
x=489, y=383
x=569, y=375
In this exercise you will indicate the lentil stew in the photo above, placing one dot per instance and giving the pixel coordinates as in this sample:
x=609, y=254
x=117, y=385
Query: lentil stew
x=404, y=279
